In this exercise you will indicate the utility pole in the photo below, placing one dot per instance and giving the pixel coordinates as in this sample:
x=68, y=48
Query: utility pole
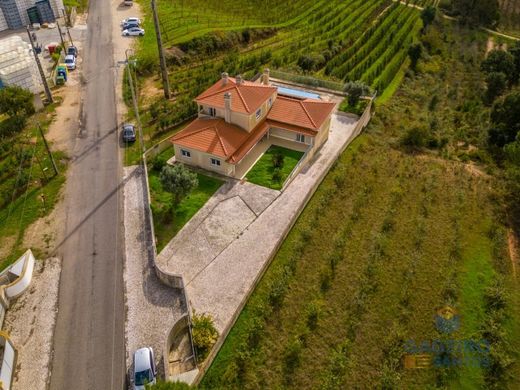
x=67, y=25
x=61, y=35
x=162, y=60
x=134, y=100
x=40, y=69
x=48, y=150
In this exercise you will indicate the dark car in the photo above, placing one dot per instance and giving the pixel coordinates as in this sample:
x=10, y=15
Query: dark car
x=128, y=132
x=129, y=25
x=72, y=50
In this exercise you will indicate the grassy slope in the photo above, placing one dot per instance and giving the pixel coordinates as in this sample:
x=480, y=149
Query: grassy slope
x=28, y=207
x=407, y=233
x=262, y=171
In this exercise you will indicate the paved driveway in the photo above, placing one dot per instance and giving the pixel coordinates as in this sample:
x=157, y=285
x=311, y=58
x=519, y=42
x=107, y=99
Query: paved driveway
x=226, y=246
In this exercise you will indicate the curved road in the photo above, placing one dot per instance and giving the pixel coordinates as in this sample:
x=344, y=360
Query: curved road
x=89, y=350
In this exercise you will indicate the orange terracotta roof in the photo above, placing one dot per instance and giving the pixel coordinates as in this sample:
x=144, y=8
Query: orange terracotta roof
x=308, y=113
x=213, y=136
x=256, y=134
x=245, y=98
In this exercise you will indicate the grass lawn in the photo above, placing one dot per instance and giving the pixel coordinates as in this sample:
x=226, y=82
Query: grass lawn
x=165, y=231
x=262, y=172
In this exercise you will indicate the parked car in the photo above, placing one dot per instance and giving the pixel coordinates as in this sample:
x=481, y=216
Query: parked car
x=133, y=31
x=131, y=19
x=72, y=50
x=144, y=368
x=70, y=62
x=128, y=3
x=128, y=132
x=129, y=25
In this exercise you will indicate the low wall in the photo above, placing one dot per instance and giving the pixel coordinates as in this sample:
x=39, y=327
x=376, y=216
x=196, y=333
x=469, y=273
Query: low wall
x=19, y=275
x=8, y=362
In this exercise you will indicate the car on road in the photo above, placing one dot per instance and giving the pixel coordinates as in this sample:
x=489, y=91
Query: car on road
x=131, y=19
x=133, y=31
x=128, y=132
x=144, y=368
x=70, y=62
x=72, y=50
x=129, y=3
x=129, y=25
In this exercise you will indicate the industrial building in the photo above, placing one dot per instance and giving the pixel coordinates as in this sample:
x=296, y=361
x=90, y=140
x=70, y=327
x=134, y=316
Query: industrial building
x=15, y=14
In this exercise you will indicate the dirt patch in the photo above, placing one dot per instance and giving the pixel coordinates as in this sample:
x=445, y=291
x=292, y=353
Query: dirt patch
x=30, y=322
x=7, y=245
x=150, y=91
x=42, y=234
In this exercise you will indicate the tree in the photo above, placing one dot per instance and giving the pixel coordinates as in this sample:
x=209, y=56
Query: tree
x=15, y=101
x=500, y=61
x=505, y=119
x=415, y=138
x=496, y=85
x=415, y=53
x=477, y=12
x=355, y=89
x=428, y=16
x=178, y=180
x=515, y=52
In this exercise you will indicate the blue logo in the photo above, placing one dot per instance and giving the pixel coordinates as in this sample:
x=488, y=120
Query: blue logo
x=447, y=320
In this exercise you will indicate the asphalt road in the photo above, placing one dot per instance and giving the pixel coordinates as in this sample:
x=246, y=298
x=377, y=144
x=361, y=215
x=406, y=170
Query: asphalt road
x=89, y=334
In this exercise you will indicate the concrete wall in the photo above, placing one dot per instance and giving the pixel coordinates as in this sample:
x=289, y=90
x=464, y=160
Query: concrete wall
x=8, y=362
x=203, y=160
x=289, y=135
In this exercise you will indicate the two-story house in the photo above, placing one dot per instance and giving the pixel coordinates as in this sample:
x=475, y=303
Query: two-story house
x=235, y=115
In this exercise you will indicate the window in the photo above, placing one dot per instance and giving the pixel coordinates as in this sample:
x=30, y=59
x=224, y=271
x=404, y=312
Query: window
x=300, y=138
x=270, y=102
x=215, y=162
x=259, y=113
x=212, y=111
x=185, y=153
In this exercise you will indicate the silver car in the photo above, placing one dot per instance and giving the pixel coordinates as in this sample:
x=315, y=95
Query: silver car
x=144, y=368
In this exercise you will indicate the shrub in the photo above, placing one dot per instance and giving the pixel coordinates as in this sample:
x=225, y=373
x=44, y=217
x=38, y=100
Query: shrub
x=313, y=311
x=277, y=175
x=415, y=138
x=158, y=163
x=204, y=333
x=278, y=160
x=355, y=89
x=292, y=355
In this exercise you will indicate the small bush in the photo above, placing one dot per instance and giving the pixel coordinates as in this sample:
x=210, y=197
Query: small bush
x=277, y=175
x=158, y=163
x=292, y=355
x=415, y=138
x=278, y=160
x=204, y=333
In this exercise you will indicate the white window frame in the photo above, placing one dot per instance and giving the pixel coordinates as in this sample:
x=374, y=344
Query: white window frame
x=215, y=162
x=300, y=138
x=185, y=153
x=258, y=113
x=212, y=112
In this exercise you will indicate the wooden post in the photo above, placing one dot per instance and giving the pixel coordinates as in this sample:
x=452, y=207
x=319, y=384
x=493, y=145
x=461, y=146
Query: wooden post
x=48, y=150
x=162, y=60
x=40, y=69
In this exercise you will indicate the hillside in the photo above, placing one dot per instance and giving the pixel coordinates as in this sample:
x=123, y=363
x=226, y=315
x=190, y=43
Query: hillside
x=409, y=231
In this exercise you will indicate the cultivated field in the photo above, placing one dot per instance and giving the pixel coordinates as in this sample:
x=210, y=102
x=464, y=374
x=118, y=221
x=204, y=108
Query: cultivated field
x=392, y=235
x=335, y=40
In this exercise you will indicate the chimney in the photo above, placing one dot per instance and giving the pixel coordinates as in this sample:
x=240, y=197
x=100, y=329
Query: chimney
x=227, y=107
x=224, y=78
x=239, y=80
x=266, y=76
